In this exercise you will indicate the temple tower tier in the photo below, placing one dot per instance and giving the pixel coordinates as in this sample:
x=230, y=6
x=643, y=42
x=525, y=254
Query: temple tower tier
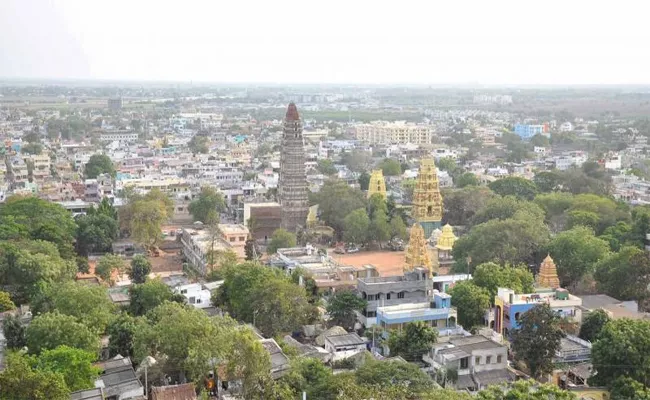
x=427, y=201
x=547, y=276
x=377, y=183
x=417, y=252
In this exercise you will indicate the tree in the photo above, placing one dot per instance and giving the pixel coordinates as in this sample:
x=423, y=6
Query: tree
x=512, y=241
x=149, y=295
x=507, y=207
x=398, y=228
x=199, y=144
x=14, y=332
x=514, y=186
x=75, y=365
x=525, y=390
x=357, y=226
x=540, y=140
x=625, y=387
x=364, y=180
x=249, y=248
x=467, y=179
x=50, y=330
x=89, y=305
x=593, y=324
x=107, y=265
x=357, y=160
x=95, y=233
x=311, y=376
x=281, y=239
x=143, y=216
x=99, y=164
x=413, y=341
x=393, y=373
x=5, y=302
x=575, y=253
x=336, y=199
x=390, y=167
x=326, y=167
x=547, y=181
x=36, y=219
x=621, y=351
x=376, y=202
x=32, y=148
x=471, y=301
x=240, y=284
x=341, y=308
x=379, y=228
x=461, y=205
x=493, y=276
x=19, y=381
x=121, y=332
x=140, y=269
x=538, y=339
x=450, y=165
x=207, y=207
x=582, y=218
x=625, y=274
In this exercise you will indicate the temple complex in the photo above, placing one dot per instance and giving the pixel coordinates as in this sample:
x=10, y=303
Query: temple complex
x=377, y=184
x=292, y=185
x=427, y=201
x=547, y=276
x=417, y=252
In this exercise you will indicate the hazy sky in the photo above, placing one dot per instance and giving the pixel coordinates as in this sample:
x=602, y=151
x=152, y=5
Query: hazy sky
x=332, y=41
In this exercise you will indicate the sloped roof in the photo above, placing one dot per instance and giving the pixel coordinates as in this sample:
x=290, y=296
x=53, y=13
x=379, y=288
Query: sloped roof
x=174, y=392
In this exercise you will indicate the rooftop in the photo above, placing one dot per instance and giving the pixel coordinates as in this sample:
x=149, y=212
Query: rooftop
x=348, y=339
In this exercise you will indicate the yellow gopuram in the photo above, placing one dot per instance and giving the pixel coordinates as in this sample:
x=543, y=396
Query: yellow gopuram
x=427, y=201
x=547, y=276
x=377, y=184
x=417, y=252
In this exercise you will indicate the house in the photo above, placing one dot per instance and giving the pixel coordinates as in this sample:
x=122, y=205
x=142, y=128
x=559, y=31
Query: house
x=118, y=380
x=174, y=392
x=479, y=361
x=279, y=361
x=196, y=294
x=344, y=346
x=88, y=394
x=438, y=314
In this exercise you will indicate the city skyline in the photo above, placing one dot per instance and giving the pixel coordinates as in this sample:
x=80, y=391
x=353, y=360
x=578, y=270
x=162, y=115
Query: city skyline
x=468, y=42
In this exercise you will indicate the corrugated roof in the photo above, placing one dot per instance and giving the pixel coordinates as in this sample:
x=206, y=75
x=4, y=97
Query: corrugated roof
x=174, y=392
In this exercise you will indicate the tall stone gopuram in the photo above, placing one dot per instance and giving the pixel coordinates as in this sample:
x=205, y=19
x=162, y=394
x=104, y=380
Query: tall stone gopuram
x=427, y=201
x=292, y=186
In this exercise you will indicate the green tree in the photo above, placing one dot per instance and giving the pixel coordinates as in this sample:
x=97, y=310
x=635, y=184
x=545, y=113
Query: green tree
x=621, y=351
x=466, y=179
x=380, y=229
x=357, y=226
x=75, y=365
x=311, y=376
x=50, y=330
x=393, y=373
x=121, y=332
x=625, y=275
x=376, y=203
x=514, y=186
x=207, y=206
x=357, y=160
x=364, y=180
x=507, y=207
x=450, y=165
x=326, y=167
x=149, y=295
x=199, y=144
x=461, y=205
x=95, y=233
x=143, y=216
x=470, y=301
x=540, y=140
x=538, y=339
x=593, y=324
x=547, y=181
x=105, y=208
x=281, y=239
x=336, y=199
x=19, y=381
x=390, y=167
x=32, y=148
x=99, y=164
x=617, y=235
x=625, y=387
x=14, y=332
x=106, y=266
x=140, y=269
x=341, y=308
x=525, y=390
x=89, y=305
x=398, y=228
x=413, y=341
x=582, y=218
x=5, y=302
x=492, y=276
x=575, y=253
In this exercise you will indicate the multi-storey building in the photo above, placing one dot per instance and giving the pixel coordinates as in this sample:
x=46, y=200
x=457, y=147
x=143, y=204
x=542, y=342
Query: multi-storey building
x=198, y=244
x=119, y=135
x=528, y=131
x=393, y=133
x=438, y=314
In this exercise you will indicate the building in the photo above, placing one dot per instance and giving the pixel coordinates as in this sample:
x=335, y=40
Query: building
x=235, y=235
x=438, y=314
x=344, y=346
x=377, y=184
x=509, y=307
x=196, y=294
x=199, y=244
x=547, y=276
x=443, y=241
x=120, y=136
x=115, y=103
x=417, y=253
x=292, y=186
x=479, y=362
x=427, y=201
x=528, y=131
x=393, y=133
x=267, y=218
x=118, y=380
x=566, y=127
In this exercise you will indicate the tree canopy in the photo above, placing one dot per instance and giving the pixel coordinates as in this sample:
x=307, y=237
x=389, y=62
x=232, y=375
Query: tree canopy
x=470, y=301
x=281, y=239
x=413, y=341
x=341, y=308
x=99, y=164
x=514, y=186
x=592, y=324
x=50, y=330
x=207, y=206
x=492, y=276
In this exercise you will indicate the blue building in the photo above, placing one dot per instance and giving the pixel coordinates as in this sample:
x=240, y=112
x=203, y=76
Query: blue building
x=438, y=314
x=528, y=131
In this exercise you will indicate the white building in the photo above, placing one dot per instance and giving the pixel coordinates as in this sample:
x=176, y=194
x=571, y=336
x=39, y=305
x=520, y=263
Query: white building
x=119, y=136
x=344, y=346
x=196, y=294
x=566, y=127
x=393, y=133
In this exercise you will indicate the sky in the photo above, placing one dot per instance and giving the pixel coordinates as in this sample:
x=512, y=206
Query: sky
x=487, y=42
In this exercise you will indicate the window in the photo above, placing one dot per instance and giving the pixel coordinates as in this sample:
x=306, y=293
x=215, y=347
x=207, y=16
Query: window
x=388, y=296
x=232, y=239
x=464, y=363
x=400, y=295
x=184, y=291
x=488, y=359
x=192, y=300
x=499, y=359
x=242, y=238
x=477, y=360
